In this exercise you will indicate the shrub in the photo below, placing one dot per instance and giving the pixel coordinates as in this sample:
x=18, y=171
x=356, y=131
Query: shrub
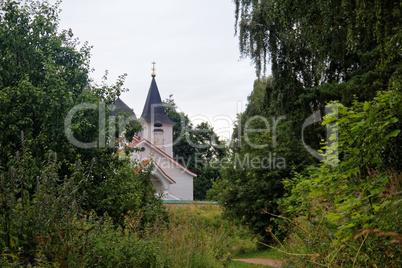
x=127, y=190
x=38, y=214
x=336, y=209
x=43, y=216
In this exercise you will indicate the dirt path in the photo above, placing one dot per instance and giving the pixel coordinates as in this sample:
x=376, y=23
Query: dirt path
x=262, y=261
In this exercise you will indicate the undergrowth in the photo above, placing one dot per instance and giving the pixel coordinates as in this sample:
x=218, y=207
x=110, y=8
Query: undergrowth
x=198, y=236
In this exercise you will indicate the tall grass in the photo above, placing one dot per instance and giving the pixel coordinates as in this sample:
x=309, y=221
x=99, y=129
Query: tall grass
x=198, y=236
x=194, y=237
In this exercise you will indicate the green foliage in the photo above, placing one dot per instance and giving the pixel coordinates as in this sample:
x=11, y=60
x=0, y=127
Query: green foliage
x=108, y=245
x=38, y=212
x=320, y=41
x=310, y=244
x=262, y=147
x=127, y=190
x=356, y=184
x=355, y=198
x=240, y=264
x=268, y=254
x=41, y=215
x=44, y=74
x=195, y=237
x=320, y=52
x=198, y=236
x=210, y=151
x=245, y=196
x=204, y=180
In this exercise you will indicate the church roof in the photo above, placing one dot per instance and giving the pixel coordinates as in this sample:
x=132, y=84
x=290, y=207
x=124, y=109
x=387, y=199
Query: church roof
x=139, y=142
x=121, y=108
x=146, y=162
x=153, y=108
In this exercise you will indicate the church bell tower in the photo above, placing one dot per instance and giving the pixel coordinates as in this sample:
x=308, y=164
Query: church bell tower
x=157, y=126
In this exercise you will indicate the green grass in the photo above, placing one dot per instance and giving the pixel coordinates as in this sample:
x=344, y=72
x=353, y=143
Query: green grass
x=198, y=236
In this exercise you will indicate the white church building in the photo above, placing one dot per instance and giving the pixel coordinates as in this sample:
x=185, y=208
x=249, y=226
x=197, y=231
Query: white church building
x=155, y=143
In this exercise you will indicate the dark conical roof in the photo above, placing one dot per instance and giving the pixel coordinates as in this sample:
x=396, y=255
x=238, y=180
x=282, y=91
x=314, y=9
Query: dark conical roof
x=153, y=109
x=120, y=108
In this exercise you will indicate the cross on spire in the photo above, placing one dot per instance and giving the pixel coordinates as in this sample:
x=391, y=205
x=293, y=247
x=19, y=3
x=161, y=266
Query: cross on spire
x=153, y=69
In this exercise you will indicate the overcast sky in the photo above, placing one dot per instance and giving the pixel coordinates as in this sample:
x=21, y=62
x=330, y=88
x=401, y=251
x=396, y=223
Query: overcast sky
x=191, y=41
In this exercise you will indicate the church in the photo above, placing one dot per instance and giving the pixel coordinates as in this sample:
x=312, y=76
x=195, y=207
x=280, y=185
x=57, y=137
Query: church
x=172, y=180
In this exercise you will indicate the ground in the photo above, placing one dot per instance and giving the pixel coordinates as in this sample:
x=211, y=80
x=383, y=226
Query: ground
x=261, y=261
x=265, y=258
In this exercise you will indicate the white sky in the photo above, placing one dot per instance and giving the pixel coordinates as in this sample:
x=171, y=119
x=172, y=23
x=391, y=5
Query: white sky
x=192, y=42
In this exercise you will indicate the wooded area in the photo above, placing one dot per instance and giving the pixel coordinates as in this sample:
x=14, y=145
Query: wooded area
x=343, y=211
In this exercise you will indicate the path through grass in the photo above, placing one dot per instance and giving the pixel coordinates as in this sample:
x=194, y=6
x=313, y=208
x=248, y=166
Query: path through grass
x=254, y=254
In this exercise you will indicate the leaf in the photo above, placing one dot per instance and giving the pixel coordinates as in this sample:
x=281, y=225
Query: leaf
x=13, y=242
x=377, y=190
x=350, y=225
x=333, y=217
x=366, y=106
x=393, y=133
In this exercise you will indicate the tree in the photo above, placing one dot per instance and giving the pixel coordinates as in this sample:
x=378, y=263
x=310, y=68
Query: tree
x=319, y=51
x=44, y=75
x=264, y=150
x=319, y=42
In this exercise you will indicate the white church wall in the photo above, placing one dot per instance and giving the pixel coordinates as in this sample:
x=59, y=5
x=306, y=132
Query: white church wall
x=168, y=138
x=183, y=188
x=147, y=133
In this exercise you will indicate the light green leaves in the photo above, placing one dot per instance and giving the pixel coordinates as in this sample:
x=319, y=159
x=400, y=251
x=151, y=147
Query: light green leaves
x=365, y=129
x=366, y=106
x=394, y=133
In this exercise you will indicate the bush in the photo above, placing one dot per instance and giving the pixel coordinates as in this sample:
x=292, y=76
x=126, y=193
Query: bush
x=39, y=215
x=346, y=212
x=128, y=190
x=42, y=215
x=110, y=245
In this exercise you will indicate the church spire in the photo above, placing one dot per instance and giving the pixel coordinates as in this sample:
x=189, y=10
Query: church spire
x=153, y=109
x=153, y=69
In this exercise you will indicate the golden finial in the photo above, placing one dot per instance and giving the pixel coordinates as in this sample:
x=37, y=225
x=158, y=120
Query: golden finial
x=153, y=69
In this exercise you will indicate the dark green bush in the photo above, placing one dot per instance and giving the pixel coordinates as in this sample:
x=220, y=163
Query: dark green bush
x=38, y=212
x=346, y=211
x=43, y=215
